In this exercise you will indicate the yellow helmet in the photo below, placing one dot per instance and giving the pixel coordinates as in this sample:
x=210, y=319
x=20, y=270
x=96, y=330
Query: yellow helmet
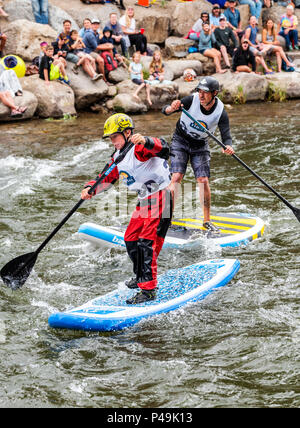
x=118, y=122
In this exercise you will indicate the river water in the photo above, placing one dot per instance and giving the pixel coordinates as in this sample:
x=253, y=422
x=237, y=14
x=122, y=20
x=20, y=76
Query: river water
x=237, y=348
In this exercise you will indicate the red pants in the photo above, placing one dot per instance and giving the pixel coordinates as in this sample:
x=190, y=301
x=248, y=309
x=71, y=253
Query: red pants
x=145, y=236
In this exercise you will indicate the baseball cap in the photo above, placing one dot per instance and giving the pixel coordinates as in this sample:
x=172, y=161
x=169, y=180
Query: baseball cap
x=95, y=21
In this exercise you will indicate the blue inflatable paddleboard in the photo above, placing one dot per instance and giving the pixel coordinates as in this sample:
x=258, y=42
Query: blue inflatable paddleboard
x=176, y=288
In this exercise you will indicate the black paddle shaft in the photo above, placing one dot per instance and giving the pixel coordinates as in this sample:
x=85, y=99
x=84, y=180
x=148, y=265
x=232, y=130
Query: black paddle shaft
x=15, y=273
x=295, y=210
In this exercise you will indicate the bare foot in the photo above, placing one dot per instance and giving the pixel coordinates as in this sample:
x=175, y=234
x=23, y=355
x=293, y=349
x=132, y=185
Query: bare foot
x=136, y=97
x=22, y=109
x=149, y=102
x=222, y=71
x=3, y=13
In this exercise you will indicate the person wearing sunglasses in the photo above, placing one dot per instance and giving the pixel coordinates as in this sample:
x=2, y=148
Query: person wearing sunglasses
x=214, y=16
x=195, y=31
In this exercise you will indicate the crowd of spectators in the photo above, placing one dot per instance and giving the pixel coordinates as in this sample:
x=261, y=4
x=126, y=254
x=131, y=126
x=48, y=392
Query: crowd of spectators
x=220, y=36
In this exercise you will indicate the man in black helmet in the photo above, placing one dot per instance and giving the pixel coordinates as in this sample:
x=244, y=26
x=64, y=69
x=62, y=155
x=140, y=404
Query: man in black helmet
x=189, y=142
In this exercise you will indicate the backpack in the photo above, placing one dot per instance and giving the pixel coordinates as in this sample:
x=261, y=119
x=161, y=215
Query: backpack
x=110, y=63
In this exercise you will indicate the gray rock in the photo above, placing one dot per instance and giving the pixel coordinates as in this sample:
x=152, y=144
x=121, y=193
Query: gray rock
x=251, y=86
x=177, y=46
x=27, y=99
x=54, y=100
x=126, y=103
x=87, y=92
x=178, y=66
x=22, y=9
x=118, y=75
x=24, y=38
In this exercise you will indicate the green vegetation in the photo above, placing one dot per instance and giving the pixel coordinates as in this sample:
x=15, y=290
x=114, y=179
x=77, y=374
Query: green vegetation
x=240, y=97
x=275, y=93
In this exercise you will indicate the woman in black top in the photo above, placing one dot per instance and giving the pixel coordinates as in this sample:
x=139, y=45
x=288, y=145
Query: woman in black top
x=243, y=59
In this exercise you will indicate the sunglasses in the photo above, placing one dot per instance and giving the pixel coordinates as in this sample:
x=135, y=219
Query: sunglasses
x=245, y=43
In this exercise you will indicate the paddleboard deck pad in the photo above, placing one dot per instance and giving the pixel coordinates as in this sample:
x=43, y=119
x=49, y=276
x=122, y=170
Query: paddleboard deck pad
x=176, y=288
x=235, y=230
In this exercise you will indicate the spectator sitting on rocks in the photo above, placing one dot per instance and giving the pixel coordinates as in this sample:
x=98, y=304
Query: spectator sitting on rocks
x=269, y=38
x=214, y=16
x=156, y=68
x=9, y=82
x=257, y=48
x=52, y=69
x=255, y=7
x=87, y=25
x=96, y=29
x=61, y=48
x=288, y=28
x=91, y=41
x=108, y=40
x=243, y=59
x=77, y=47
x=251, y=33
x=7, y=99
x=226, y=41
x=136, y=38
x=40, y=11
x=206, y=42
x=136, y=75
x=233, y=16
x=67, y=30
x=117, y=33
x=196, y=29
x=43, y=46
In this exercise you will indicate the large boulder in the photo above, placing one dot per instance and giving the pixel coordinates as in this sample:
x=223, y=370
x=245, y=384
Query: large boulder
x=177, y=46
x=186, y=88
x=241, y=87
x=92, y=11
x=290, y=87
x=22, y=9
x=161, y=94
x=186, y=14
x=126, y=103
x=157, y=27
x=118, y=75
x=27, y=99
x=87, y=92
x=54, y=100
x=24, y=38
x=178, y=66
x=208, y=65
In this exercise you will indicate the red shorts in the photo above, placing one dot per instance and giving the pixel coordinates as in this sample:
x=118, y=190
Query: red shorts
x=145, y=236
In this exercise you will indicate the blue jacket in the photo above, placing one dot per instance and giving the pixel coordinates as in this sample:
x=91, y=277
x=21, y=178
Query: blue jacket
x=90, y=41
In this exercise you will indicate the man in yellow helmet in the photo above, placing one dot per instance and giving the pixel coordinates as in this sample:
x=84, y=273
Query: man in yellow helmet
x=144, y=169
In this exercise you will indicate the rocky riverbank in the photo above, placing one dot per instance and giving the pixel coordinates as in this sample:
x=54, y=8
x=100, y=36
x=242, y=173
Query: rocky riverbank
x=165, y=28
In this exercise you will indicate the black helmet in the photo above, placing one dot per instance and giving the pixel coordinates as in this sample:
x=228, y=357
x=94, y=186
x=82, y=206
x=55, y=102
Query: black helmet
x=208, y=84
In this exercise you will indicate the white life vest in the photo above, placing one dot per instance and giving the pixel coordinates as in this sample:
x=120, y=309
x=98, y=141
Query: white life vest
x=209, y=121
x=146, y=177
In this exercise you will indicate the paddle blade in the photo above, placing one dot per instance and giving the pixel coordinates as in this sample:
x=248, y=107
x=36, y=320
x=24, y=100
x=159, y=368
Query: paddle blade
x=15, y=273
x=296, y=211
